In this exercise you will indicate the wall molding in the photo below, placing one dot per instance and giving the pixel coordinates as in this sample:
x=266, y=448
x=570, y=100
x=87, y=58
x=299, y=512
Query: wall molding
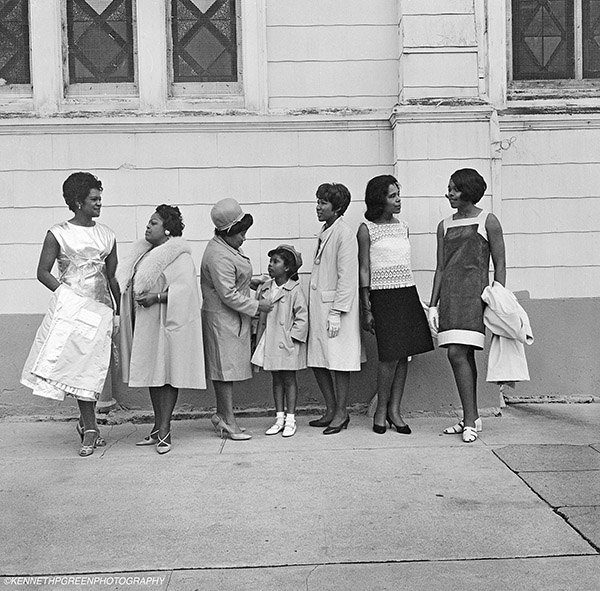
x=543, y=121
x=93, y=123
x=442, y=111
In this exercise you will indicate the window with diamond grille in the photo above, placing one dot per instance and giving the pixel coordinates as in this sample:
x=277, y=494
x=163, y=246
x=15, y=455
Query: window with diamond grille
x=100, y=41
x=555, y=39
x=204, y=40
x=591, y=38
x=14, y=41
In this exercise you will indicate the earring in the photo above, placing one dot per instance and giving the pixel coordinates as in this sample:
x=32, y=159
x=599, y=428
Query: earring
x=167, y=233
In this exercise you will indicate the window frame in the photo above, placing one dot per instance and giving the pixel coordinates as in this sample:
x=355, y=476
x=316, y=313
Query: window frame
x=206, y=90
x=89, y=92
x=558, y=88
x=50, y=95
x=16, y=92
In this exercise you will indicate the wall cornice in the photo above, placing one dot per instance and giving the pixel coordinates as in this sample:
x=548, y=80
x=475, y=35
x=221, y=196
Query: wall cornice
x=545, y=119
x=441, y=112
x=204, y=123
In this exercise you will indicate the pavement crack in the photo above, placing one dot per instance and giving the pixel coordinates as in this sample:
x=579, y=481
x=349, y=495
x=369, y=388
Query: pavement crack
x=116, y=440
x=312, y=570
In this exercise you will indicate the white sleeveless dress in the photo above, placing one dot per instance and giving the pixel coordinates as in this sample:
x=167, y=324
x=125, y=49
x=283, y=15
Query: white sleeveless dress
x=71, y=351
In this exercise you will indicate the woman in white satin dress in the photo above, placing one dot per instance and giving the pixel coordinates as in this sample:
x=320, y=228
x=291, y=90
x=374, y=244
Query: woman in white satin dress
x=71, y=351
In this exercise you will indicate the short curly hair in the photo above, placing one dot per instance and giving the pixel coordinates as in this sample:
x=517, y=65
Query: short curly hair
x=470, y=183
x=336, y=194
x=171, y=217
x=78, y=186
x=376, y=195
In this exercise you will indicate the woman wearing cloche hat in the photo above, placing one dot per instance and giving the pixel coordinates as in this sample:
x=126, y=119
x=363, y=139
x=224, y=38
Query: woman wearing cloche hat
x=227, y=310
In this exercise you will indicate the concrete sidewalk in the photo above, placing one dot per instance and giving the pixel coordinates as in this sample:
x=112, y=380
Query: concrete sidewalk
x=519, y=509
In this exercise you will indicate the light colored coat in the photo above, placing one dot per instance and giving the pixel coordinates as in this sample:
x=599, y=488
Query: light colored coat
x=334, y=285
x=165, y=347
x=227, y=311
x=285, y=327
x=511, y=330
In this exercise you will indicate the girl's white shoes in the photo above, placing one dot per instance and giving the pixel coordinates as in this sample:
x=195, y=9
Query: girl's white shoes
x=288, y=428
x=274, y=429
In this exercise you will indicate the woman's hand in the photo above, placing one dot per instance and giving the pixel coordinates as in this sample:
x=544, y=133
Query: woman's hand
x=256, y=282
x=116, y=325
x=433, y=316
x=147, y=299
x=334, y=321
x=265, y=305
x=367, y=321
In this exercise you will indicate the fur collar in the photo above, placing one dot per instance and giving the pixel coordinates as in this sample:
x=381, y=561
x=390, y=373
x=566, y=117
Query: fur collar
x=152, y=265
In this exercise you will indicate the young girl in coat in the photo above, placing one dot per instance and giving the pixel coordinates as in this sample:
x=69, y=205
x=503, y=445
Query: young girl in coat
x=334, y=345
x=281, y=334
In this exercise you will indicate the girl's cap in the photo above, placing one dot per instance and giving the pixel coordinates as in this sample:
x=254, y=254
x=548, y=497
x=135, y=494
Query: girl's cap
x=289, y=248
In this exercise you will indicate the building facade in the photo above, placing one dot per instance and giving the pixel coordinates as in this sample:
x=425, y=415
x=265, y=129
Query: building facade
x=190, y=101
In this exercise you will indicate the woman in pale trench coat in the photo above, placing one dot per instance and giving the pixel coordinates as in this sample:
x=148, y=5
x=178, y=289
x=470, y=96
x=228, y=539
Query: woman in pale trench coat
x=161, y=328
x=334, y=340
x=227, y=310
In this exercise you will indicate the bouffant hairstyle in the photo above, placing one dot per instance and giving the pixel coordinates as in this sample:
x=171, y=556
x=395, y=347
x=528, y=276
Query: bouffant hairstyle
x=77, y=187
x=376, y=195
x=336, y=194
x=238, y=227
x=171, y=217
x=288, y=260
x=470, y=184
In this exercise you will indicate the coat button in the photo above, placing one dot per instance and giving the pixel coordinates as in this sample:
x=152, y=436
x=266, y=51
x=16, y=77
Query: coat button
x=281, y=345
x=281, y=322
x=313, y=287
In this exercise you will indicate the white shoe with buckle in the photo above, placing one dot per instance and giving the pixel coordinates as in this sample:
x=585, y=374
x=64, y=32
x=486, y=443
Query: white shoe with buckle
x=289, y=429
x=274, y=429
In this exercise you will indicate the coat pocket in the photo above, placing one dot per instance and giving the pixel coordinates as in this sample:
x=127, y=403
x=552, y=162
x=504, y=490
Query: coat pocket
x=328, y=296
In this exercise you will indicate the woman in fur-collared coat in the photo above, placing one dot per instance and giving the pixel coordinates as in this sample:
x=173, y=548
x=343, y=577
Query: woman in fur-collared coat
x=161, y=327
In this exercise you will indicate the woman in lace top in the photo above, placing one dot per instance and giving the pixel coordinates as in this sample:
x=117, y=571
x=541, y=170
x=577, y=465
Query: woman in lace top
x=390, y=305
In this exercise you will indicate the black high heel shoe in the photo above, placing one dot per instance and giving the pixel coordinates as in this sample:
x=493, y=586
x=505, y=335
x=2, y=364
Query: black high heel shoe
x=332, y=430
x=319, y=423
x=379, y=429
x=405, y=429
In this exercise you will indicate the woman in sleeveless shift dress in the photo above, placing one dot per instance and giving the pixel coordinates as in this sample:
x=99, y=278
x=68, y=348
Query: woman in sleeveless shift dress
x=465, y=242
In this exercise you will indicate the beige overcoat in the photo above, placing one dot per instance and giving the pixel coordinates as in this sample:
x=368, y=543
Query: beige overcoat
x=334, y=285
x=285, y=327
x=227, y=311
x=161, y=344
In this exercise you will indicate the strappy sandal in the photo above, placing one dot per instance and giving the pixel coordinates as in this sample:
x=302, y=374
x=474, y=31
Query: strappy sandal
x=100, y=441
x=469, y=434
x=163, y=446
x=460, y=427
x=88, y=450
x=151, y=439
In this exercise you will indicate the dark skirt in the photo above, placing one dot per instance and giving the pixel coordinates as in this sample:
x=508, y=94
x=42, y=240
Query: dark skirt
x=401, y=327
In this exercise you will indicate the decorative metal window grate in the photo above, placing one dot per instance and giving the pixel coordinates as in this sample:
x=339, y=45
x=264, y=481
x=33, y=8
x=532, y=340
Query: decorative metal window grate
x=14, y=42
x=543, y=39
x=100, y=40
x=591, y=38
x=204, y=41
x=556, y=39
